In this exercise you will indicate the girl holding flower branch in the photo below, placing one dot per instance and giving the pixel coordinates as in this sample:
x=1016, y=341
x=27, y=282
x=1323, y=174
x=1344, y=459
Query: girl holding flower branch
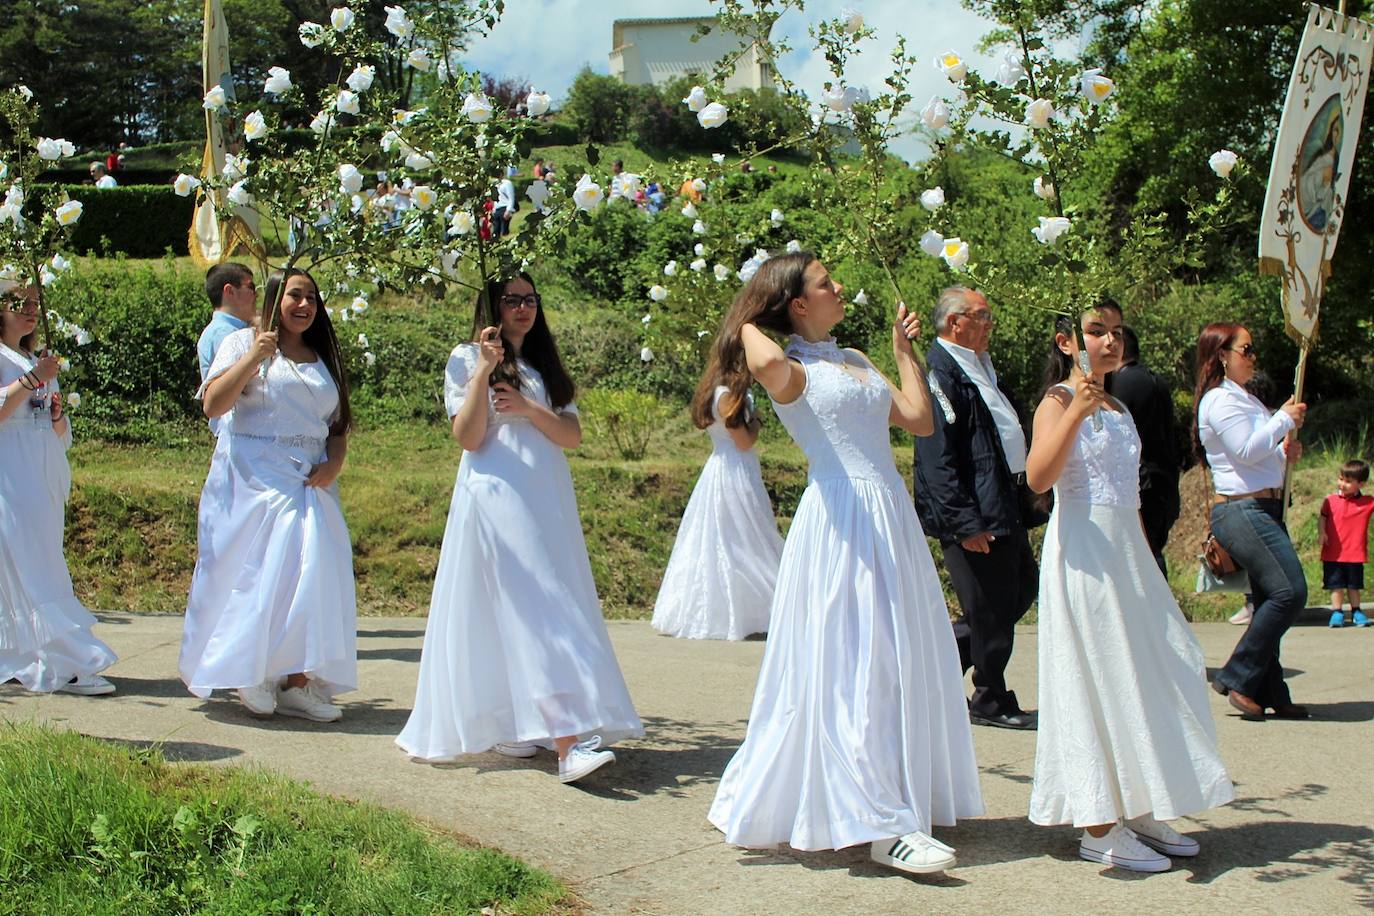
x=858, y=732
x=45, y=633
x=1126, y=739
x=272, y=612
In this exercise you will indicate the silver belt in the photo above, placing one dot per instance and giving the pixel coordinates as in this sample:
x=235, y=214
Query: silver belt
x=287, y=441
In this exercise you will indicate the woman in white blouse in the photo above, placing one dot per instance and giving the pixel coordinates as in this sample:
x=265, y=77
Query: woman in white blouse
x=1244, y=445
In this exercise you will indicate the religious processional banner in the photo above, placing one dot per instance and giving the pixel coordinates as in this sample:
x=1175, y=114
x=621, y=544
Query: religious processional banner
x=1313, y=155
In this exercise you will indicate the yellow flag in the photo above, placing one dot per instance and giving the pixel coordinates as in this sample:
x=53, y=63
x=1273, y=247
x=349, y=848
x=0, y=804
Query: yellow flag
x=213, y=240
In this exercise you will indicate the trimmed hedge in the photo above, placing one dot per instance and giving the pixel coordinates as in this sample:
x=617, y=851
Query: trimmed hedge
x=142, y=221
x=134, y=176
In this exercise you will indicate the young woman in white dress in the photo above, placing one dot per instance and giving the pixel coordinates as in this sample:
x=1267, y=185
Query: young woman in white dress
x=1126, y=739
x=516, y=652
x=859, y=732
x=272, y=612
x=720, y=577
x=46, y=642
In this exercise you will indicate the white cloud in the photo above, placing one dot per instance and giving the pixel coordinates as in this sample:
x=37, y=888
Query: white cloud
x=584, y=37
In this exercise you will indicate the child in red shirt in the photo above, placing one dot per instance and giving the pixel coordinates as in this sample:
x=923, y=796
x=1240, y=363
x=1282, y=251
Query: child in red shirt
x=1344, y=540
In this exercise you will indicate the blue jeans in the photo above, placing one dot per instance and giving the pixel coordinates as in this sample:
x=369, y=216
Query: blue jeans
x=1252, y=531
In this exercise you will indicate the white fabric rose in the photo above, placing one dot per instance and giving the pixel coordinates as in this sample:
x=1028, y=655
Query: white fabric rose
x=419, y=59
x=933, y=243
x=477, y=108
x=670, y=269
x=254, y=127
x=312, y=34
x=238, y=194
x=369, y=358
x=347, y=102
x=718, y=158
x=398, y=23
x=1039, y=113
x=587, y=195
x=936, y=113
x=362, y=341
x=955, y=253
x=861, y=298
x=1050, y=229
x=775, y=217
x=538, y=192
x=24, y=91
x=423, y=196
x=73, y=400
x=689, y=210
x=1095, y=86
x=321, y=122
x=696, y=99
x=68, y=213
x=699, y=249
x=360, y=80
x=418, y=162
x=933, y=198
x=359, y=303
x=1222, y=161
x=185, y=184
x=713, y=115
x=646, y=355
x=341, y=18
x=235, y=167
x=699, y=185
x=646, y=319
x=793, y=247
x=952, y=66
x=658, y=293
x=214, y=100
x=698, y=265
x=350, y=179
x=1043, y=188
x=537, y=103
x=722, y=273
x=278, y=81
x=1010, y=71
x=461, y=224
x=698, y=228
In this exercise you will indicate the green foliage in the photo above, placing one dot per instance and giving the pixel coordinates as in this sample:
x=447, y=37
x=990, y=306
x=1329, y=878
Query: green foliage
x=91, y=827
x=627, y=418
x=598, y=106
x=141, y=221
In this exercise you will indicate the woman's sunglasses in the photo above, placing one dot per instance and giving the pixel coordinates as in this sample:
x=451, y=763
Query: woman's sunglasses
x=1249, y=351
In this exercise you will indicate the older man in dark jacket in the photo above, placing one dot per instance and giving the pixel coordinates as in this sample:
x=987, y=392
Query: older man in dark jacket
x=970, y=478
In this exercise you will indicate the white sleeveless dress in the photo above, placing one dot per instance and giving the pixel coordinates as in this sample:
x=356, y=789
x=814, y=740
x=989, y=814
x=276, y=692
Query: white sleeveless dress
x=859, y=729
x=1125, y=722
x=516, y=649
x=45, y=632
x=720, y=577
x=272, y=593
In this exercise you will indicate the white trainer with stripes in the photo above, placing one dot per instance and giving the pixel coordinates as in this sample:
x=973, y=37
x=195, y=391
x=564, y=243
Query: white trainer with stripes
x=918, y=853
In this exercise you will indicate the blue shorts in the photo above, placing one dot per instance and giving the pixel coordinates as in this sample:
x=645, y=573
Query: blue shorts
x=1342, y=575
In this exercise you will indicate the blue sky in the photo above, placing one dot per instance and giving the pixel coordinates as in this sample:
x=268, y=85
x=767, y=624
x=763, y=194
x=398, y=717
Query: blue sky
x=548, y=41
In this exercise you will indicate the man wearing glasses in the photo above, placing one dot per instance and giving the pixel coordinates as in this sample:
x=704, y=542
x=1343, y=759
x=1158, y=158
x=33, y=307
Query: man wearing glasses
x=970, y=483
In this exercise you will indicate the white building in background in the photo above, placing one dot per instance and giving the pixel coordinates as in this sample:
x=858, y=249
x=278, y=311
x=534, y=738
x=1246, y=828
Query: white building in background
x=654, y=51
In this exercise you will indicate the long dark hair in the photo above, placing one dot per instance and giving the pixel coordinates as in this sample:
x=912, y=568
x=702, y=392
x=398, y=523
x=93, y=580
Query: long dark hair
x=1210, y=373
x=318, y=337
x=765, y=301
x=538, y=348
x=1058, y=364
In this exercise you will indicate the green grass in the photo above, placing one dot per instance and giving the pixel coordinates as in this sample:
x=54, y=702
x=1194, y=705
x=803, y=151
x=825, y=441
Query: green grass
x=94, y=828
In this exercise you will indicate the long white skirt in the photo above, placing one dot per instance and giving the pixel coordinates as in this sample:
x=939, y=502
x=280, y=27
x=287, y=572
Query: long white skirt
x=1125, y=724
x=272, y=593
x=45, y=632
x=516, y=649
x=720, y=577
x=859, y=729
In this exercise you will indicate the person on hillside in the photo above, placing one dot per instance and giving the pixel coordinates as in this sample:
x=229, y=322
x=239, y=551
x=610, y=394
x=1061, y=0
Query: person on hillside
x=504, y=211
x=272, y=612
x=233, y=296
x=101, y=176
x=858, y=731
x=720, y=577
x=1246, y=448
x=516, y=653
x=538, y=168
x=1126, y=739
x=1151, y=404
x=1344, y=536
x=970, y=482
x=46, y=642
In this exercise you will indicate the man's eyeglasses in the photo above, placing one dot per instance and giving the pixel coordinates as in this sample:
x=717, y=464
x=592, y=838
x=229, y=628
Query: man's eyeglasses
x=1249, y=351
x=514, y=302
x=982, y=315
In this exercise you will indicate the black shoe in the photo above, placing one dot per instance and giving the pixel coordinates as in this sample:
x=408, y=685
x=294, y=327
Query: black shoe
x=1022, y=721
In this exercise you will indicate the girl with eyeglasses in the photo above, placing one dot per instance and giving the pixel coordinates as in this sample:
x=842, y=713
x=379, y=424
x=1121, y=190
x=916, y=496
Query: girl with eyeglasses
x=1247, y=449
x=272, y=613
x=720, y=576
x=1126, y=740
x=46, y=642
x=516, y=653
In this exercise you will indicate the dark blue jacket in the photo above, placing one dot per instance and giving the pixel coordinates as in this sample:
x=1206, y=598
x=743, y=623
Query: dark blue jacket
x=962, y=482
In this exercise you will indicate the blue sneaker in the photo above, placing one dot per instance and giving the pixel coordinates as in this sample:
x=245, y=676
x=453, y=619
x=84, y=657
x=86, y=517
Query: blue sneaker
x=1337, y=620
x=1360, y=619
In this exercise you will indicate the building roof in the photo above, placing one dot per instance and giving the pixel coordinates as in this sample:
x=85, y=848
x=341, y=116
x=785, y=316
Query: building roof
x=665, y=20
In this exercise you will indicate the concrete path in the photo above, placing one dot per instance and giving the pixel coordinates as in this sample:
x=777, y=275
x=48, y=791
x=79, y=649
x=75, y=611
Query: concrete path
x=635, y=839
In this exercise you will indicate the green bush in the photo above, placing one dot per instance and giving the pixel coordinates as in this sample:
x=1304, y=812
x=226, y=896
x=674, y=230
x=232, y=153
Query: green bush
x=598, y=106
x=627, y=419
x=142, y=221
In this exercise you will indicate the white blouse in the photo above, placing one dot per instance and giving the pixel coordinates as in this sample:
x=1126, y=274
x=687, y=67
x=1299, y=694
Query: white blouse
x=1242, y=439
x=295, y=399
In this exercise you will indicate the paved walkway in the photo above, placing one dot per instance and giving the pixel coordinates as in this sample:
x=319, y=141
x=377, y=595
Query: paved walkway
x=635, y=840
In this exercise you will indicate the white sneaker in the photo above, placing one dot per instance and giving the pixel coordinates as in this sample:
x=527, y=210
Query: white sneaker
x=305, y=703
x=1161, y=837
x=583, y=760
x=1242, y=617
x=1121, y=848
x=259, y=699
x=88, y=685
x=917, y=852
x=517, y=750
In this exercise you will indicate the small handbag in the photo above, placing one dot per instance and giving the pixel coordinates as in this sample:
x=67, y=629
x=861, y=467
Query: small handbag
x=1218, y=571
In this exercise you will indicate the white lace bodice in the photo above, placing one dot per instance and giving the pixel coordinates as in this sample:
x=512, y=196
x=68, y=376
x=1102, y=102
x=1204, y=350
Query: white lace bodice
x=1104, y=466
x=294, y=401
x=35, y=412
x=462, y=362
x=841, y=418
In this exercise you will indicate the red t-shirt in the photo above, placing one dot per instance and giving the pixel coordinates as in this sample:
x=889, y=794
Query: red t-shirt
x=1347, y=528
